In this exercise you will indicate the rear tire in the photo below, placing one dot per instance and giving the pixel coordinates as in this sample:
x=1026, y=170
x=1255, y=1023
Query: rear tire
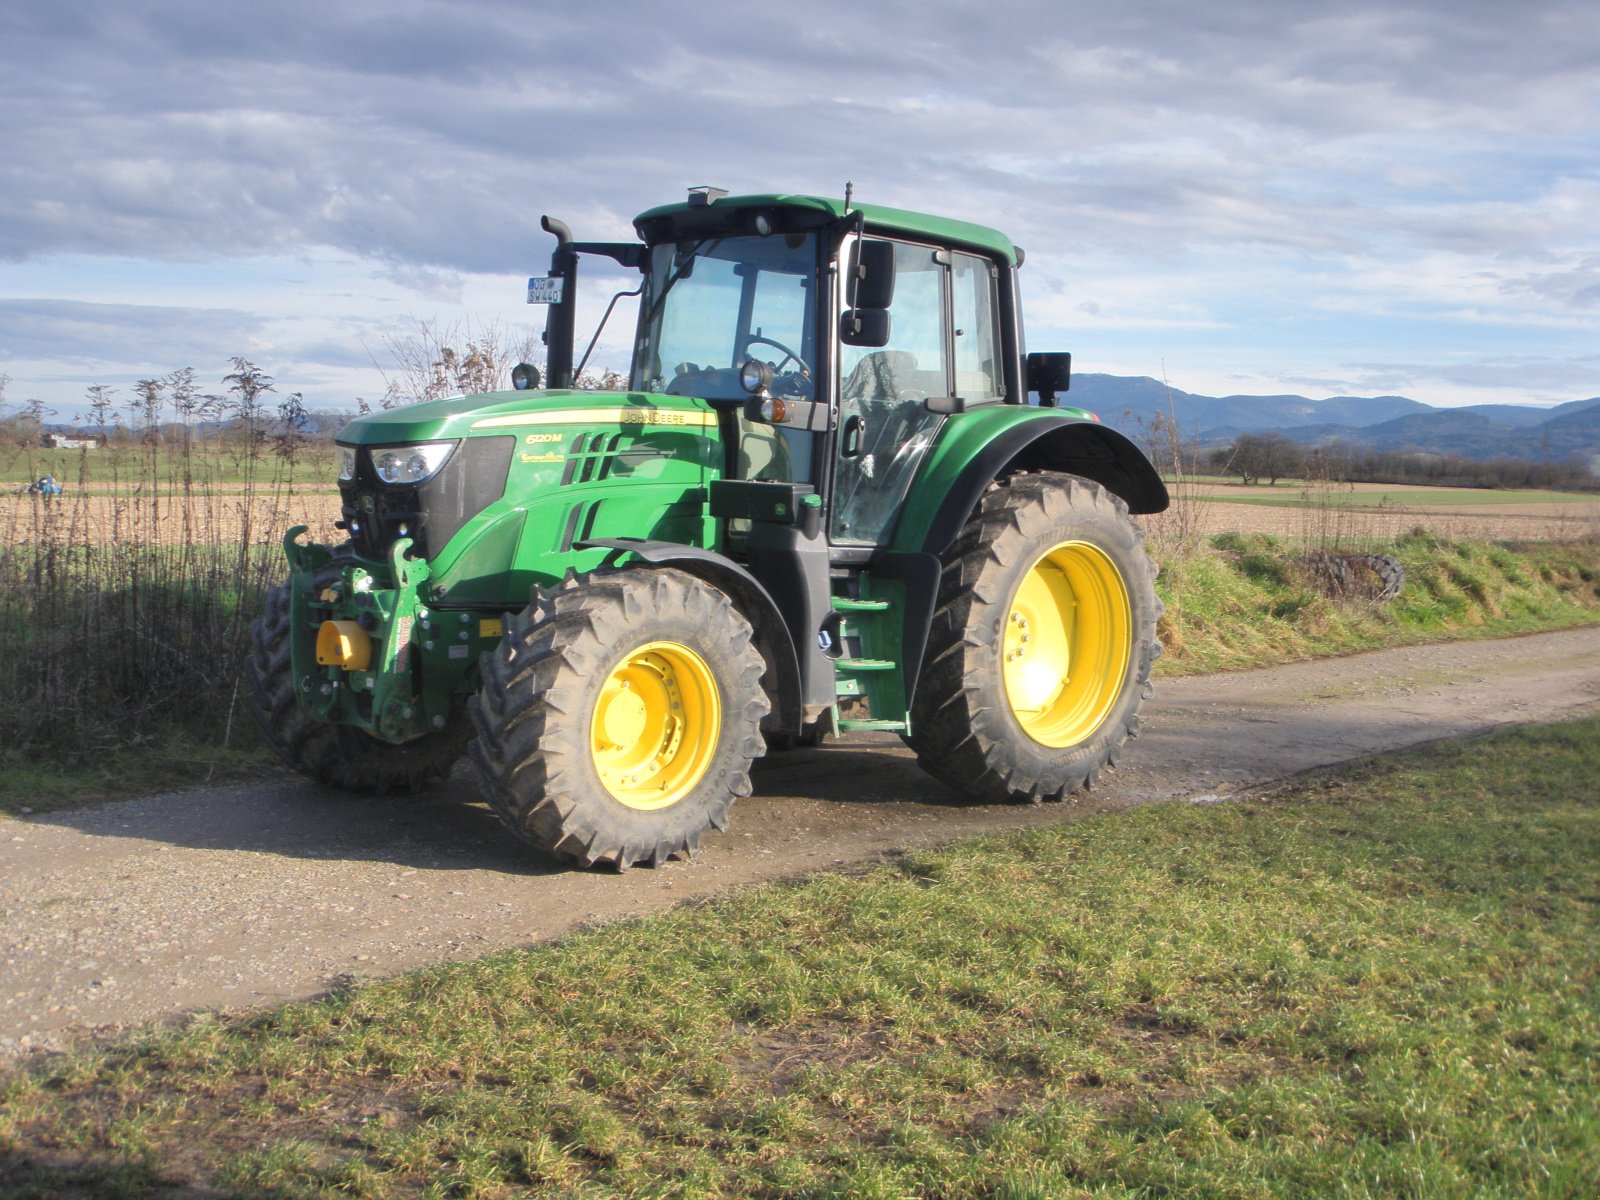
x=619, y=717
x=337, y=755
x=1040, y=652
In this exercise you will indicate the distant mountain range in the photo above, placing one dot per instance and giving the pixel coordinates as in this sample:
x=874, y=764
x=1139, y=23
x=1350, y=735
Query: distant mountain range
x=1387, y=423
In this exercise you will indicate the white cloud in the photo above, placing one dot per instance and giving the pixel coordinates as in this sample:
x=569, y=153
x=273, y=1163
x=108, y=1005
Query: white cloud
x=1256, y=184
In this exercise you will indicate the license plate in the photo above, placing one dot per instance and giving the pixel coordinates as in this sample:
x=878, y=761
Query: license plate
x=545, y=289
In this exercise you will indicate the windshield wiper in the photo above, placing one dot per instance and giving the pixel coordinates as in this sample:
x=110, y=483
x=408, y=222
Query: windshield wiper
x=679, y=272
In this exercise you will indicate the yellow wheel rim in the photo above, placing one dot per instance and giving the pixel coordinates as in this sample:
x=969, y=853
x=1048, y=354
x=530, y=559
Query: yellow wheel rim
x=655, y=725
x=1065, y=648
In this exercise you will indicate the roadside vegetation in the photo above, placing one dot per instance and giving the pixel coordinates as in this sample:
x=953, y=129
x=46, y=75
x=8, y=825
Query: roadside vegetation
x=1243, y=600
x=125, y=601
x=1379, y=981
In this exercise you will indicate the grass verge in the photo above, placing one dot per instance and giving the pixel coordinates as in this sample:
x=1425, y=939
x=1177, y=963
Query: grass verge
x=1380, y=982
x=1242, y=600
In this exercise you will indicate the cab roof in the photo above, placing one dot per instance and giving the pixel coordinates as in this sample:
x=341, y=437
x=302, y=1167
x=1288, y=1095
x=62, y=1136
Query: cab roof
x=879, y=219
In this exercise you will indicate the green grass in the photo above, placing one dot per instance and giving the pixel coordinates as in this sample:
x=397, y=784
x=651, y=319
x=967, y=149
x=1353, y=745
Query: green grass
x=1241, y=600
x=123, y=465
x=1381, y=982
x=174, y=760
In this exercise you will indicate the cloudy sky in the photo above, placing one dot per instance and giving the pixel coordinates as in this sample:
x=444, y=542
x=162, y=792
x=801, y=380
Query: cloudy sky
x=1331, y=198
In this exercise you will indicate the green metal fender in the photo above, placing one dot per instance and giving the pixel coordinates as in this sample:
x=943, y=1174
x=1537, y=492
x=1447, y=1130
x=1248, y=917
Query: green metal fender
x=981, y=446
x=989, y=443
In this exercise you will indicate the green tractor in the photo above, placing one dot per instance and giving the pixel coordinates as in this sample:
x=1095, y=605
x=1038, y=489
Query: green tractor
x=837, y=495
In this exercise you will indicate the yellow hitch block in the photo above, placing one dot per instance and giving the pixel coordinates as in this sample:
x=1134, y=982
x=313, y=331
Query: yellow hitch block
x=344, y=644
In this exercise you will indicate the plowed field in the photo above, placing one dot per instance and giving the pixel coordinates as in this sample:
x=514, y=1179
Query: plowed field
x=1361, y=513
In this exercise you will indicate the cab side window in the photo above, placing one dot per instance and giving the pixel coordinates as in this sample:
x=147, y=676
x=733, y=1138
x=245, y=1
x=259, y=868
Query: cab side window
x=976, y=316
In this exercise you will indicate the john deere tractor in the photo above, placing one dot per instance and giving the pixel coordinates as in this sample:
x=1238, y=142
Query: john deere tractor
x=837, y=495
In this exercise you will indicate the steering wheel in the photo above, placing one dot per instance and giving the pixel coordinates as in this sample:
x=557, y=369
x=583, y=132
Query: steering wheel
x=788, y=354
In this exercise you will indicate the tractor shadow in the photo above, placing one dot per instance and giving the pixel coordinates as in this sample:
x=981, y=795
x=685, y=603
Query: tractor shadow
x=449, y=827
x=858, y=771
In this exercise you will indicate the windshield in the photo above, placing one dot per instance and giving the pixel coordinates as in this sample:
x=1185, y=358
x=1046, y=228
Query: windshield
x=710, y=305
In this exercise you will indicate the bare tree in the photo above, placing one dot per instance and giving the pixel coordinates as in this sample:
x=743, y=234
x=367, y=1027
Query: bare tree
x=99, y=397
x=601, y=381
x=247, y=387
x=248, y=384
x=26, y=428
x=430, y=361
x=182, y=388
x=1269, y=455
x=290, y=437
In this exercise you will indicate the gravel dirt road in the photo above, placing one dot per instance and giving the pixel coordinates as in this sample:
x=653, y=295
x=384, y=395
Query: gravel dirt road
x=233, y=898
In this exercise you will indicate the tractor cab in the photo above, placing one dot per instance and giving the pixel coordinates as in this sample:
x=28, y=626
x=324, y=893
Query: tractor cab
x=839, y=337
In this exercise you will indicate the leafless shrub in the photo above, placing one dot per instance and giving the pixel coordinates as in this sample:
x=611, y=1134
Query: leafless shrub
x=1178, y=458
x=429, y=361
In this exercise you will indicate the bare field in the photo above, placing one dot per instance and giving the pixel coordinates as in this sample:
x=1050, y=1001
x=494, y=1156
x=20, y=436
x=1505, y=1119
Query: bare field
x=223, y=517
x=1490, y=516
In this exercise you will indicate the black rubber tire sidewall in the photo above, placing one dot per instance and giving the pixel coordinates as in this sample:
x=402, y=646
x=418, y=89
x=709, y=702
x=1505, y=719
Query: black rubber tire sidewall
x=963, y=728
x=534, y=712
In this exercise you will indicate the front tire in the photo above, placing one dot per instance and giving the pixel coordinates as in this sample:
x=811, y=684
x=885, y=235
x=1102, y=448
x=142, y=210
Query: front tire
x=1042, y=643
x=619, y=717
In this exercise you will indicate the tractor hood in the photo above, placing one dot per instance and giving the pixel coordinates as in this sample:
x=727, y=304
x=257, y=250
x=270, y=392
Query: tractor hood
x=508, y=412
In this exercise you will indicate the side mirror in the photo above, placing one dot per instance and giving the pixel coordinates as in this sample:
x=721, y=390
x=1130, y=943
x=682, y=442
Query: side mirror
x=1048, y=374
x=871, y=280
x=865, y=327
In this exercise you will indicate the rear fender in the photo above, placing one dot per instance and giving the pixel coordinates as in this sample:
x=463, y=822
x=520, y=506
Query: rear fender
x=1084, y=448
x=1010, y=441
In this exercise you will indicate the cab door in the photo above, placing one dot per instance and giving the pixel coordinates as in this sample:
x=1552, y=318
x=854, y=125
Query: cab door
x=940, y=358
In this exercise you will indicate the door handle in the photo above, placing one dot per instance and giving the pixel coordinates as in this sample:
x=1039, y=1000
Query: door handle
x=850, y=437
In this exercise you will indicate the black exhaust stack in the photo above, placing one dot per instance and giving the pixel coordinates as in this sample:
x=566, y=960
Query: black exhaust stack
x=561, y=321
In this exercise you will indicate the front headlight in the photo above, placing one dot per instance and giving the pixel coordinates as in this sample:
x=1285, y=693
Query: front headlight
x=347, y=464
x=755, y=376
x=410, y=464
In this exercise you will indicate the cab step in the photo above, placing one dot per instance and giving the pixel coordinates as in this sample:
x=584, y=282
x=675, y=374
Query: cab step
x=864, y=664
x=846, y=724
x=847, y=604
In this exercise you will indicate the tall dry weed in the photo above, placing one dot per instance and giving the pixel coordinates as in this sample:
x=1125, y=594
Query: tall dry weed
x=125, y=602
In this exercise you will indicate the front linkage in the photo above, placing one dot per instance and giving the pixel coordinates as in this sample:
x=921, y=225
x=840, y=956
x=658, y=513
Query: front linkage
x=364, y=637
